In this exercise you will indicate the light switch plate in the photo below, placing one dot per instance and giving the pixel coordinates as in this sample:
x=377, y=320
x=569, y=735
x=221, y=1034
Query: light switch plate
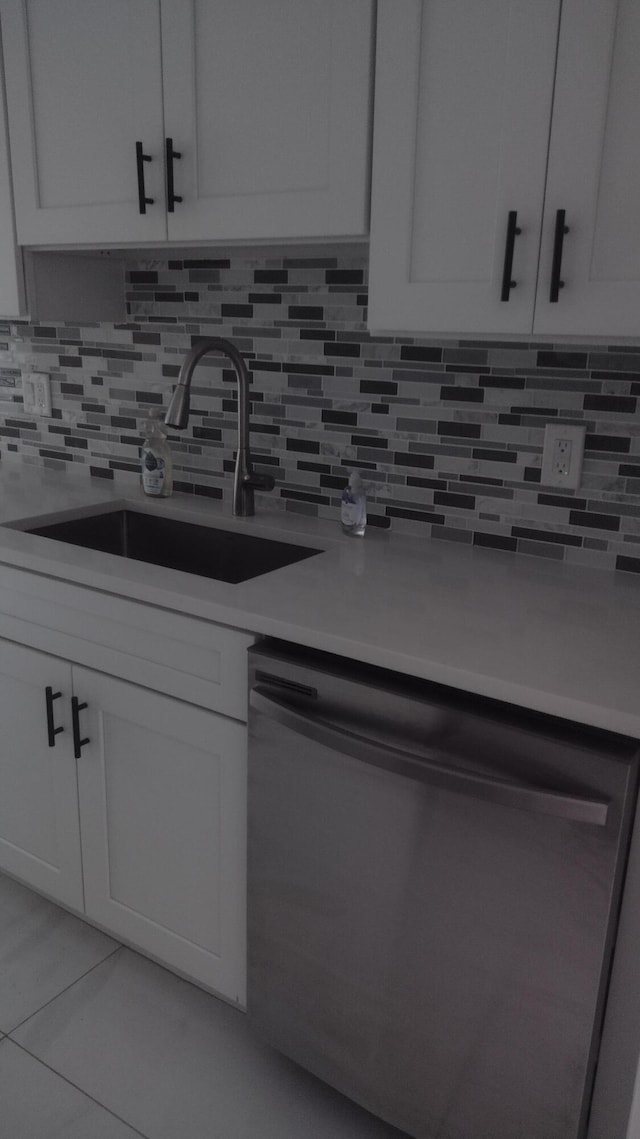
x=562, y=454
x=36, y=393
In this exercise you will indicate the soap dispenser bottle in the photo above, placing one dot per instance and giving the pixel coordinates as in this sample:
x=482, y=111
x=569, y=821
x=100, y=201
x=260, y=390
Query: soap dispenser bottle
x=353, y=506
x=155, y=457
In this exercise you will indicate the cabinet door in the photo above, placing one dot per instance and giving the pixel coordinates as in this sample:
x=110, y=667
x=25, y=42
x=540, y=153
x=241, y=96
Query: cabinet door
x=11, y=278
x=163, y=807
x=267, y=102
x=39, y=830
x=84, y=85
x=461, y=125
x=594, y=173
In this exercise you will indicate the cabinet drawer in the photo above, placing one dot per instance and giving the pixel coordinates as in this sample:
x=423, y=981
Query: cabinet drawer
x=192, y=659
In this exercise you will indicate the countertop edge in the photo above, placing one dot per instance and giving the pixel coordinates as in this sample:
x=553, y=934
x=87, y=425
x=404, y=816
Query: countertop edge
x=586, y=619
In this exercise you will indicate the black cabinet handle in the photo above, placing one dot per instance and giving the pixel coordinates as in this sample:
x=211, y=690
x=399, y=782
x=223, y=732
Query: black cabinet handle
x=556, y=264
x=513, y=230
x=78, y=742
x=52, y=731
x=141, y=158
x=172, y=198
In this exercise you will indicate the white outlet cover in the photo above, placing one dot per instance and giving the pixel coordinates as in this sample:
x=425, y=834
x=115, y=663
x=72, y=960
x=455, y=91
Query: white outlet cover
x=36, y=393
x=574, y=435
x=28, y=394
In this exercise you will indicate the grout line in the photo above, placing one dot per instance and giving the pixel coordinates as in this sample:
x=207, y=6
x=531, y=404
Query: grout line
x=77, y=1087
x=65, y=990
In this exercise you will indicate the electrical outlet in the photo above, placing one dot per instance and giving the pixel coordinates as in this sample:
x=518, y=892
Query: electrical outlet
x=36, y=393
x=562, y=454
x=561, y=457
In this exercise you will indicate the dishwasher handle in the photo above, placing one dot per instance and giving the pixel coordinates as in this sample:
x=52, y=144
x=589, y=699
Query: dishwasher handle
x=437, y=772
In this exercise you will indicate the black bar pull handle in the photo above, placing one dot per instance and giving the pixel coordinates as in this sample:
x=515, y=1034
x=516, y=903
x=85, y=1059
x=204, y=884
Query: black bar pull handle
x=172, y=197
x=141, y=158
x=513, y=231
x=437, y=769
x=78, y=742
x=556, y=264
x=52, y=731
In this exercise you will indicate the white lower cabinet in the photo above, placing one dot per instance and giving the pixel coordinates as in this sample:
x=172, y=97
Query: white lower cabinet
x=142, y=800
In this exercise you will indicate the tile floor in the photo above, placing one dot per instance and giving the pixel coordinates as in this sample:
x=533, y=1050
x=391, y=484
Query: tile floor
x=97, y=1042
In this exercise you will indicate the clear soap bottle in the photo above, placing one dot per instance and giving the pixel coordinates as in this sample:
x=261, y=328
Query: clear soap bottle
x=155, y=458
x=353, y=506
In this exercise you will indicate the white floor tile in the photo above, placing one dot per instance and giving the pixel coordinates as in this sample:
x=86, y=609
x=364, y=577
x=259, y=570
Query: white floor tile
x=175, y=1062
x=35, y=1103
x=43, y=949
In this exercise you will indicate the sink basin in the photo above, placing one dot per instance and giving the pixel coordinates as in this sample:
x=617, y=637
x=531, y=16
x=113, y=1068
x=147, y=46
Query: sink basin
x=220, y=554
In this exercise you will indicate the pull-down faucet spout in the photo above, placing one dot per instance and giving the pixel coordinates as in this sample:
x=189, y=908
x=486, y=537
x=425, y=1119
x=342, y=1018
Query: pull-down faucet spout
x=245, y=481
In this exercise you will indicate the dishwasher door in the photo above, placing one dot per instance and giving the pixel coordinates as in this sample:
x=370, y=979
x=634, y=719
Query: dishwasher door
x=434, y=883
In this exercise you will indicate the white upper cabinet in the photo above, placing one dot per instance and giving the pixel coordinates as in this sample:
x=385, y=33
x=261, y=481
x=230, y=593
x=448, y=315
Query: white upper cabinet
x=11, y=281
x=239, y=119
x=11, y=276
x=267, y=102
x=594, y=174
x=475, y=124
x=461, y=126
x=84, y=86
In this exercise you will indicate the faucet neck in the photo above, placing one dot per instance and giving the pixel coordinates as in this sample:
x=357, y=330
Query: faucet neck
x=178, y=413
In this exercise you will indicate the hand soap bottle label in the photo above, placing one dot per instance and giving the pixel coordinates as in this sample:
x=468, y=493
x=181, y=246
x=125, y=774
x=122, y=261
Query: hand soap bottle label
x=353, y=507
x=351, y=512
x=153, y=473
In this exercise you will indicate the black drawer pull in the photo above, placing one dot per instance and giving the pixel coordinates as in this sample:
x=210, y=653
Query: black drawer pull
x=78, y=742
x=52, y=731
x=172, y=197
x=141, y=158
x=513, y=231
x=556, y=265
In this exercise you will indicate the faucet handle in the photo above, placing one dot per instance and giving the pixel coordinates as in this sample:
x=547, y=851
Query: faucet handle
x=259, y=482
x=243, y=488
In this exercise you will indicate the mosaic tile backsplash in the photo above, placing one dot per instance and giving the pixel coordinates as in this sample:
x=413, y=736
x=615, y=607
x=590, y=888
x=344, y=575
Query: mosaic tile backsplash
x=448, y=434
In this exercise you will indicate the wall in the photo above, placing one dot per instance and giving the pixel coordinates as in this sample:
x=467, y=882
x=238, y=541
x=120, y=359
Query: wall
x=449, y=433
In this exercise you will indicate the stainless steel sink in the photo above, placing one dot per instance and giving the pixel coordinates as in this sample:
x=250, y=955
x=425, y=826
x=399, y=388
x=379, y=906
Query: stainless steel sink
x=220, y=554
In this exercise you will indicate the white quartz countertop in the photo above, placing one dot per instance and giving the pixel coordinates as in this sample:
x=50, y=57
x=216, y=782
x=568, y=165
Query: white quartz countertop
x=545, y=635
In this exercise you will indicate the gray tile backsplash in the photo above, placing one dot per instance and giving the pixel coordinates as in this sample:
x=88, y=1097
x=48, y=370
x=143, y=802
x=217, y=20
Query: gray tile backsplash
x=448, y=434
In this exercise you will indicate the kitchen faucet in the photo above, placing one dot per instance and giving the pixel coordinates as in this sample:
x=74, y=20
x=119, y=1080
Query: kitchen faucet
x=245, y=481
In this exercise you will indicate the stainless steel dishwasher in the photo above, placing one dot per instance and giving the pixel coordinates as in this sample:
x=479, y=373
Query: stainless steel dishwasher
x=434, y=882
